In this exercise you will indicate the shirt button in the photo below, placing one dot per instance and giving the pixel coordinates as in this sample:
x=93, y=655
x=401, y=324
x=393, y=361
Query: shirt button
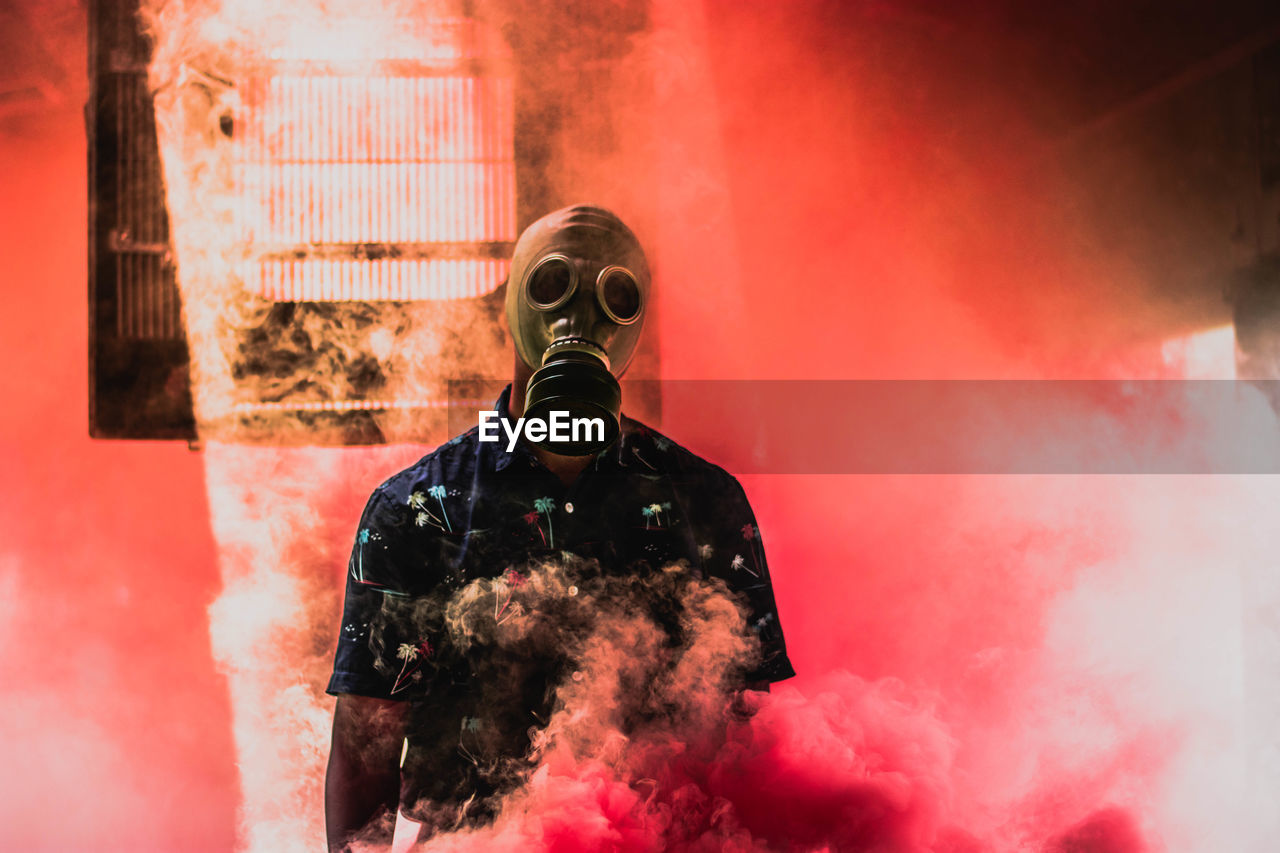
x=568, y=507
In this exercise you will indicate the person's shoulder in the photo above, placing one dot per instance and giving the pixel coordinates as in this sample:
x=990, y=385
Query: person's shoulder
x=441, y=467
x=675, y=459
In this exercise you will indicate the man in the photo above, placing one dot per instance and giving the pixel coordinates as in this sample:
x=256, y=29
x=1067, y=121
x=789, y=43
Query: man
x=622, y=500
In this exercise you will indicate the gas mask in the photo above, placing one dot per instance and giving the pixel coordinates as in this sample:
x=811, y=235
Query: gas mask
x=576, y=298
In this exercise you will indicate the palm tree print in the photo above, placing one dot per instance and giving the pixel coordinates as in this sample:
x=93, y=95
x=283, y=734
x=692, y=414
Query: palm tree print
x=469, y=725
x=425, y=516
x=545, y=505
x=517, y=609
x=740, y=564
x=409, y=653
x=438, y=493
x=531, y=518
x=512, y=580
x=647, y=512
x=363, y=539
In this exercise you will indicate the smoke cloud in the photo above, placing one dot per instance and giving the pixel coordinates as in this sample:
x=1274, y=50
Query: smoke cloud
x=649, y=746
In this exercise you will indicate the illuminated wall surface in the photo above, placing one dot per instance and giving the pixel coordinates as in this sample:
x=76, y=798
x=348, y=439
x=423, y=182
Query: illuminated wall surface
x=828, y=192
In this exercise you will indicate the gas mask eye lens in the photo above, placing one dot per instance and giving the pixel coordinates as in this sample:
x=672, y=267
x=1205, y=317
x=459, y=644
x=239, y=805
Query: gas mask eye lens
x=551, y=282
x=619, y=295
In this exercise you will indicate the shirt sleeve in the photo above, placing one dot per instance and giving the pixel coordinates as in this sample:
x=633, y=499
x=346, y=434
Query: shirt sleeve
x=375, y=656
x=737, y=555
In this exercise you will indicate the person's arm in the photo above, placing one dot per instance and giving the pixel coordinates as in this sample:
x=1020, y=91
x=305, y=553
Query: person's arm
x=362, y=785
x=737, y=556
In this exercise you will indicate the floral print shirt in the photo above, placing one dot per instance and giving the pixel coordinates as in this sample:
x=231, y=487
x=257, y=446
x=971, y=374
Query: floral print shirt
x=471, y=510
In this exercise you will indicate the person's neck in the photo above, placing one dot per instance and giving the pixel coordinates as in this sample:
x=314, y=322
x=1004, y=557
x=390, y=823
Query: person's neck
x=567, y=468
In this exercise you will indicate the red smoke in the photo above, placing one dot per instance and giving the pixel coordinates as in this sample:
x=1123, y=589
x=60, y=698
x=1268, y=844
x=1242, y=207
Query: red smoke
x=645, y=751
x=848, y=765
x=853, y=768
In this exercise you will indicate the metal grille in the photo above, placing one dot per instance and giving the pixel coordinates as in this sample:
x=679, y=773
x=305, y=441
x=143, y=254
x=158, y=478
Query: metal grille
x=138, y=358
x=399, y=185
x=147, y=303
x=339, y=280
x=146, y=298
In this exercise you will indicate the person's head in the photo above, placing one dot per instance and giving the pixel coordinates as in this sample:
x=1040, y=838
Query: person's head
x=576, y=299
